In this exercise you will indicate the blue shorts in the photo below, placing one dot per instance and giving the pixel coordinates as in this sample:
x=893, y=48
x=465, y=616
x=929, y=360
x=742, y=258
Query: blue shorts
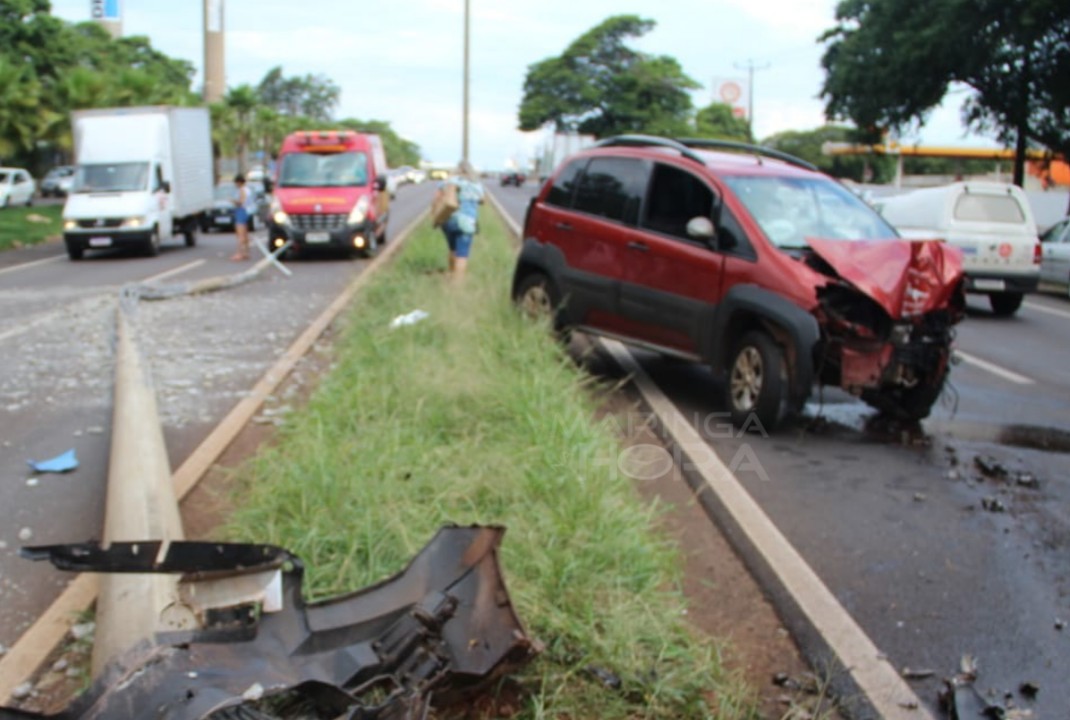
x=460, y=242
x=241, y=216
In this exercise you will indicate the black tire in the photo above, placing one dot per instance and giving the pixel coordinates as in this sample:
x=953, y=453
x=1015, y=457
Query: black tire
x=190, y=233
x=29, y=201
x=906, y=404
x=1005, y=304
x=537, y=297
x=757, y=382
x=152, y=245
x=75, y=252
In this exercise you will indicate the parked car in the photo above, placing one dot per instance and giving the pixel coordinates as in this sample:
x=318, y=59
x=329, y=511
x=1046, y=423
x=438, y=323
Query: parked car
x=1055, y=245
x=993, y=225
x=748, y=260
x=516, y=179
x=221, y=214
x=17, y=187
x=57, y=182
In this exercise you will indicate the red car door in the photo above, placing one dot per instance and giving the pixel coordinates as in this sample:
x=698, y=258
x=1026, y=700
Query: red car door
x=673, y=281
x=593, y=229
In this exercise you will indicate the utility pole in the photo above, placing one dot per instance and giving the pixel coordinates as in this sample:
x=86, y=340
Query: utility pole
x=464, y=131
x=215, y=83
x=750, y=67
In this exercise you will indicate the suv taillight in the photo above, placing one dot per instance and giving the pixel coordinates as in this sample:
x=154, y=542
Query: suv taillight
x=1038, y=254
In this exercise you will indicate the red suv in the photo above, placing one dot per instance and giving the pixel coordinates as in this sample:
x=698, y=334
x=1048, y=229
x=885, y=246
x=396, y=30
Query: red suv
x=746, y=259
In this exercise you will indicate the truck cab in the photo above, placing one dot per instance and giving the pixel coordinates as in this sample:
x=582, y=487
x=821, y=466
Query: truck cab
x=330, y=193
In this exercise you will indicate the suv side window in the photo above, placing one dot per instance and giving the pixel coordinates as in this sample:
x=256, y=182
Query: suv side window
x=612, y=188
x=565, y=184
x=676, y=196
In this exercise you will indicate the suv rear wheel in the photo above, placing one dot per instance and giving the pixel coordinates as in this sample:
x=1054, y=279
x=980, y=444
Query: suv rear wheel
x=757, y=381
x=538, y=297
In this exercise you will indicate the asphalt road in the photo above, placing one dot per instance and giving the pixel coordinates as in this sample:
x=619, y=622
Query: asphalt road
x=57, y=321
x=894, y=522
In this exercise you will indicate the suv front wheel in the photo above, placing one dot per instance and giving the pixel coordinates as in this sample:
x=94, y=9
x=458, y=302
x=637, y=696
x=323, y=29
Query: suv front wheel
x=757, y=381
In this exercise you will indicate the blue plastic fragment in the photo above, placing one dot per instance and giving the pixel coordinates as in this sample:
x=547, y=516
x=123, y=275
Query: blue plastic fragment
x=60, y=464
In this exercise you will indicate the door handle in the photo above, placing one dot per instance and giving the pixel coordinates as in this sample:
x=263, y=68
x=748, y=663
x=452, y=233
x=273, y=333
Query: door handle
x=640, y=246
x=563, y=226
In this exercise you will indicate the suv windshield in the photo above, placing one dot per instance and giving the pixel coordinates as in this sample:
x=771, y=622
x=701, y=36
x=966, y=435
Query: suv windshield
x=113, y=177
x=789, y=210
x=320, y=170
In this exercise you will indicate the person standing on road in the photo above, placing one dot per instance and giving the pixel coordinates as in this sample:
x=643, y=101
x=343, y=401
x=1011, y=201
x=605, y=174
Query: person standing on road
x=460, y=229
x=241, y=218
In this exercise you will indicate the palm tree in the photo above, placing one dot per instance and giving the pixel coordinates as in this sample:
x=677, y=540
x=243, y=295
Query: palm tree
x=20, y=98
x=242, y=101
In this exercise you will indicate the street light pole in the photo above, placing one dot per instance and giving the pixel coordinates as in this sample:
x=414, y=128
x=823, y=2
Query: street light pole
x=464, y=141
x=750, y=67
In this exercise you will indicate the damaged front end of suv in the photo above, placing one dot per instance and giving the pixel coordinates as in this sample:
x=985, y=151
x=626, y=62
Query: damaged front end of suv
x=887, y=319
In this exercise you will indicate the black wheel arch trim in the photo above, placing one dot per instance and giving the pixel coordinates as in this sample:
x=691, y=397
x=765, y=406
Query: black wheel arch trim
x=793, y=324
x=538, y=257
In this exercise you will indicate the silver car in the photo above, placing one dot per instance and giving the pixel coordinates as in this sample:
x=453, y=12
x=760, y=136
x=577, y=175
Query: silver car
x=1055, y=265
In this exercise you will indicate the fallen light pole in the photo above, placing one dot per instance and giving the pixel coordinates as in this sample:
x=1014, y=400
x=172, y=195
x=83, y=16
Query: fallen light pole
x=140, y=505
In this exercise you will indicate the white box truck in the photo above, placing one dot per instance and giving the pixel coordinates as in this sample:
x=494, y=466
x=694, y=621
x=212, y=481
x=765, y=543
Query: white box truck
x=143, y=175
x=992, y=223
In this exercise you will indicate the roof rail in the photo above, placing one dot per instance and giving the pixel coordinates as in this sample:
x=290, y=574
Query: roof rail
x=747, y=148
x=649, y=141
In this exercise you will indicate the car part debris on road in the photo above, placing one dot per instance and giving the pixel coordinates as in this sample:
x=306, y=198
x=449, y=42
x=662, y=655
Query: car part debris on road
x=441, y=629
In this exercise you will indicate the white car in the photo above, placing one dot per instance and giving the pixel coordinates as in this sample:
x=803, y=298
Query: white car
x=17, y=187
x=1055, y=245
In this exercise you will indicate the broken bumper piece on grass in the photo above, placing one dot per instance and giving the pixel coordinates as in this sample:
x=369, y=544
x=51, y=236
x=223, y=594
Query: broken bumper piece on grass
x=442, y=628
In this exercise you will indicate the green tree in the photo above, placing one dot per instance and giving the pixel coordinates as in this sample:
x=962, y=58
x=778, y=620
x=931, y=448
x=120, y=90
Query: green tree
x=239, y=105
x=313, y=96
x=807, y=144
x=717, y=120
x=889, y=62
x=600, y=86
x=20, y=112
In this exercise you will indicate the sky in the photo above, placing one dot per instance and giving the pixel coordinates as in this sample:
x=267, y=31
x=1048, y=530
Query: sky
x=402, y=60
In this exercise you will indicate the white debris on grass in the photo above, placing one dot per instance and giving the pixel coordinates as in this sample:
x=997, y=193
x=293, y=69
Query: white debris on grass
x=409, y=319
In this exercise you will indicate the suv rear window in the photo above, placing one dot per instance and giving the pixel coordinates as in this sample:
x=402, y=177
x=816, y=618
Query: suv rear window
x=612, y=188
x=565, y=184
x=989, y=208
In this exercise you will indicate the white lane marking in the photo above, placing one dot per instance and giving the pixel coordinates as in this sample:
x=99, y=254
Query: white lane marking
x=32, y=263
x=175, y=271
x=876, y=677
x=889, y=694
x=1045, y=309
x=995, y=369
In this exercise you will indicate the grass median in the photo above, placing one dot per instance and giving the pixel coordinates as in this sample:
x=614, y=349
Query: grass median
x=475, y=415
x=21, y=226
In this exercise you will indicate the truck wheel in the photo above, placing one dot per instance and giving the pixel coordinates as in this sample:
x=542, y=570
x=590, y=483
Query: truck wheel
x=152, y=245
x=1004, y=304
x=75, y=251
x=190, y=233
x=757, y=381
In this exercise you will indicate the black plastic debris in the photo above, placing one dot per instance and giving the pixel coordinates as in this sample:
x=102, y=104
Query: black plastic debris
x=1029, y=689
x=441, y=629
x=990, y=467
x=993, y=504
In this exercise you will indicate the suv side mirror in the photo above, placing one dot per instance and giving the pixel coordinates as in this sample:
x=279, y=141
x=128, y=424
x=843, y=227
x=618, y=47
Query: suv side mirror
x=380, y=183
x=701, y=228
